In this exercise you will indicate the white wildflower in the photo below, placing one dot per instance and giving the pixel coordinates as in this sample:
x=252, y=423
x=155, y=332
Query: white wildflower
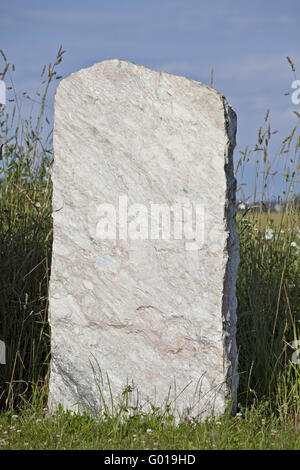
x=294, y=245
x=269, y=234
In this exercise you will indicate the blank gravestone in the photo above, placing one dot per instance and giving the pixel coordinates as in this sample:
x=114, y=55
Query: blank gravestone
x=145, y=253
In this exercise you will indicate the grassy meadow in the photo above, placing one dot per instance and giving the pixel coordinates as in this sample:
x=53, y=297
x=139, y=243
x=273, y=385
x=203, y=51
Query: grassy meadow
x=268, y=291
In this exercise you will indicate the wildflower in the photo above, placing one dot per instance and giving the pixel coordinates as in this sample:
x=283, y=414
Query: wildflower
x=242, y=206
x=187, y=419
x=149, y=431
x=247, y=223
x=269, y=234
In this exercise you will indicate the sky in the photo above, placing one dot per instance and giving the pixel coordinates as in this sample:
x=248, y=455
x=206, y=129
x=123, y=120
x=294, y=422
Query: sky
x=246, y=43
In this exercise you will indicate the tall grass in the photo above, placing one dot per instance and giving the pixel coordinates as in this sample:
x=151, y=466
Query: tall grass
x=25, y=240
x=268, y=285
x=269, y=308
x=268, y=278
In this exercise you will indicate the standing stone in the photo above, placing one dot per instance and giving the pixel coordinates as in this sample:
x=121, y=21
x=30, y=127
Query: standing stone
x=145, y=253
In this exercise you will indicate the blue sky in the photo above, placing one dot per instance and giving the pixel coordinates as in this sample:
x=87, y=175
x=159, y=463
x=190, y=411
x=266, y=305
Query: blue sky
x=246, y=42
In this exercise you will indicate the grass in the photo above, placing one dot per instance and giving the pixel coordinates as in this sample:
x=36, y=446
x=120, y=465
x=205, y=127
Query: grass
x=32, y=429
x=267, y=290
x=268, y=306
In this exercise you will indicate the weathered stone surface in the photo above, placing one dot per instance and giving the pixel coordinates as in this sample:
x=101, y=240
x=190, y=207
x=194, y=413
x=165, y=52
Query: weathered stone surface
x=156, y=314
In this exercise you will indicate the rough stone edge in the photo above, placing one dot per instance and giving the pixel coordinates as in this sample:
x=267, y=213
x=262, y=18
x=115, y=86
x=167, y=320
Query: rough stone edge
x=161, y=72
x=229, y=302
